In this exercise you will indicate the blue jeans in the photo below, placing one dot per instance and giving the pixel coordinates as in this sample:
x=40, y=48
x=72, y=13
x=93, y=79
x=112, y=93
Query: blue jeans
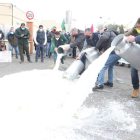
x=55, y=57
x=135, y=78
x=11, y=49
x=48, y=48
x=38, y=48
x=111, y=61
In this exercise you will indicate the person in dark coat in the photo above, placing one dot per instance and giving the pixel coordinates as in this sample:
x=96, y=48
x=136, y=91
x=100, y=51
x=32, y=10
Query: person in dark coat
x=12, y=41
x=48, y=54
x=79, y=41
x=52, y=33
x=91, y=41
x=23, y=35
x=67, y=37
x=40, y=40
x=49, y=38
x=79, y=38
x=104, y=43
x=47, y=32
x=64, y=33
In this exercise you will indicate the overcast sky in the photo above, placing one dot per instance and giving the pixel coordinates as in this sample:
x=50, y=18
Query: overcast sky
x=84, y=11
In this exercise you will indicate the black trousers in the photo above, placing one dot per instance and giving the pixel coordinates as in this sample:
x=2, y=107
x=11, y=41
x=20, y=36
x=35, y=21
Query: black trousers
x=74, y=51
x=23, y=48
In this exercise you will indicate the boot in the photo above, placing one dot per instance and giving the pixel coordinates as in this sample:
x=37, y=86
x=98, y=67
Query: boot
x=122, y=65
x=62, y=61
x=50, y=55
x=97, y=87
x=135, y=93
x=30, y=61
x=21, y=62
x=108, y=84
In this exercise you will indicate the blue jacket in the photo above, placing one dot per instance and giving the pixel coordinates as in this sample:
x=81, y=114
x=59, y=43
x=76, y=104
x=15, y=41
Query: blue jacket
x=92, y=42
x=8, y=35
x=137, y=39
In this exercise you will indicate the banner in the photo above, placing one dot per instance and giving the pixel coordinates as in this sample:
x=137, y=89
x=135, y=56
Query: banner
x=5, y=56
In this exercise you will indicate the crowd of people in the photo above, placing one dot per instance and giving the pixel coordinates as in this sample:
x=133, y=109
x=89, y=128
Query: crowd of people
x=47, y=43
x=18, y=40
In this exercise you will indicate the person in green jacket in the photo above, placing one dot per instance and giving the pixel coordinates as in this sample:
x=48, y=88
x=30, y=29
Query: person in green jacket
x=23, y=35
x=57, y=40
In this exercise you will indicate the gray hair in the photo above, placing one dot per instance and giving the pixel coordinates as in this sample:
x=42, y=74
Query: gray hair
x=75, y=30
x=88, y=30
x=100, y=26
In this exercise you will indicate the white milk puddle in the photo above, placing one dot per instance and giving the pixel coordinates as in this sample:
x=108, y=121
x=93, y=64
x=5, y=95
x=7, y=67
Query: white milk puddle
x=107, y=114
x=34, y=105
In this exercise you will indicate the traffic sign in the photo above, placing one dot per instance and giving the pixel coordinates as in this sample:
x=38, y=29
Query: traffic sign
x=30, y=15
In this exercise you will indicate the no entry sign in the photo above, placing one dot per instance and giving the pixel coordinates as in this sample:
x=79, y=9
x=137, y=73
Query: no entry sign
x=30, y=15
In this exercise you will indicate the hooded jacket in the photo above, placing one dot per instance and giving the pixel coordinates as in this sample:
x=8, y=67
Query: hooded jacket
x=106, y=39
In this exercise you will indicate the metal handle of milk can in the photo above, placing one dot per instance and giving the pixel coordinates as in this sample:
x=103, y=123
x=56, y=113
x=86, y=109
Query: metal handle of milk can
x=128, y=42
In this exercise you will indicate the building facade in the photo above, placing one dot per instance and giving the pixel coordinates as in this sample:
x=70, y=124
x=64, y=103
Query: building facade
x=11, y=16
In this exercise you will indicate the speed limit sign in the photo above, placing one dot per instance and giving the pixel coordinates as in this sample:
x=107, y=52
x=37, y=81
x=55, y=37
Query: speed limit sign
x=30, y=15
